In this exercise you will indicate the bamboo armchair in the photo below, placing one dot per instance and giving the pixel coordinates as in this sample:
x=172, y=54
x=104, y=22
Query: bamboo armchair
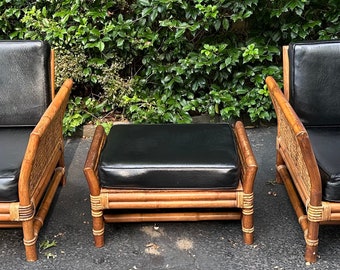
x=167, y=192
x=308, y=138
x=31, y=141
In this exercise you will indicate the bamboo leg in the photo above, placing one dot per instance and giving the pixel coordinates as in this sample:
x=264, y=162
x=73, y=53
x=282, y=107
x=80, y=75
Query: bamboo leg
x=250, y=168
x=98, y=228
x=93, y=182
x=312, y=241
x=29, y=241
x=310, y=229
x=247, y=219
x=47, y=200
x=279, y=162
x=248, y=228
x=61, y=163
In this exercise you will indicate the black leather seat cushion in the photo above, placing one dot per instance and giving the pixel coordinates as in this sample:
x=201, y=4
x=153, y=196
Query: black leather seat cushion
x=326, y=145
x=13, y=143
x=25, y=82
x=315, y=82
x=170, y=156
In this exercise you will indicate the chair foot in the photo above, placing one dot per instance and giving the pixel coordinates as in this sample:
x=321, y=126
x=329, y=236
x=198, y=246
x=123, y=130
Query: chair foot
x=31, y=253
x=99, y=240
x=248, y=238
x=98, y=231
x=311, y=253
x=278, y=178
x=63, y=181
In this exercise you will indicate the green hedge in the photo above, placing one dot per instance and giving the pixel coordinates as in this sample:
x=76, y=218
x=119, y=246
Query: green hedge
x=167, y=60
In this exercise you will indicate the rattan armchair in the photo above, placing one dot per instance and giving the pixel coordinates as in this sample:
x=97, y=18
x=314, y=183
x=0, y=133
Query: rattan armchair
x=31, y=141
x=308, y=135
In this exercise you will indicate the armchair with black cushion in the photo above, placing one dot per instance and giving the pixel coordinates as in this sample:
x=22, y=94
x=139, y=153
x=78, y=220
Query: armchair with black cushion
x=31, y=141
x=308, y=135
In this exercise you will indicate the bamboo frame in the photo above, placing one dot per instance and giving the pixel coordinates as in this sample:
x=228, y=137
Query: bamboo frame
x=42, y=170
x=297, y=168
x=239, y=200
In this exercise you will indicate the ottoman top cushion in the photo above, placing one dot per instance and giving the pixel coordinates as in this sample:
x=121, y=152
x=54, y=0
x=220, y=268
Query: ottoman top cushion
x=170, y=156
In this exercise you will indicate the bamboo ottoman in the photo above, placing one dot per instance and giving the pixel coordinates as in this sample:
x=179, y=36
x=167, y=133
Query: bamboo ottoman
x=171, y=172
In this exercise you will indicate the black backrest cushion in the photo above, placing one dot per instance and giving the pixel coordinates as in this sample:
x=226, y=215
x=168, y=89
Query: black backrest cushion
x=25, y=82
x=315, y=82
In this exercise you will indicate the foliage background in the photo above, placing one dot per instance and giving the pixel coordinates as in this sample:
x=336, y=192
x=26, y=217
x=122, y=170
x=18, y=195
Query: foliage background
x=167, y=60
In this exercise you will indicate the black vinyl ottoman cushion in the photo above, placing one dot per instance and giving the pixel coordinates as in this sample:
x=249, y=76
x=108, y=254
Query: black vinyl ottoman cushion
x=13, y=144
x=170, y=156
x=326, y=146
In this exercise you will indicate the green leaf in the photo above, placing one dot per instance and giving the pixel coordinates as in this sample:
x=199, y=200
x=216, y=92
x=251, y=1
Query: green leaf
x=144, y=2
x=101, y=46
x=179, y=33
x=120, y=42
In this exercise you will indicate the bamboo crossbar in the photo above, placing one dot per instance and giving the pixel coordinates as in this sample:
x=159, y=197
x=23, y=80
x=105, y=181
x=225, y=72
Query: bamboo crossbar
x=5, y=217
x=4, y=207
x=163, y=195
x=172, y=204
x=47, y=200
x=162, y=217
x=10, y=224
x=294, y=199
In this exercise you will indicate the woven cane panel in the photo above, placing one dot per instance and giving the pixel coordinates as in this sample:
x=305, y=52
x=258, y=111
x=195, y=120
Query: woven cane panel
x=49, y=146
x=289, y=143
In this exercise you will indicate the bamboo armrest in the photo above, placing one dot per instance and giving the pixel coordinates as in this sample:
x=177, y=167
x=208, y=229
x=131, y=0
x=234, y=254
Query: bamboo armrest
x=249, y=164
x=91, y=163
x=97, y=144
x=45, y=146
x=281, y=104
x=295, y=147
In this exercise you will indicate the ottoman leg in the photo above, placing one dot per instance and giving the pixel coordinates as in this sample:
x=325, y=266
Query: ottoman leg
x=90, y=170
x=248, y=229
x=98, y=229
x=97, y=221
x=248, y=219
x=249, y=168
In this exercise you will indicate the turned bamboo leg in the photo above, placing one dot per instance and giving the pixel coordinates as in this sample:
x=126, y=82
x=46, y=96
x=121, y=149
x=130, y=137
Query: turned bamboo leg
x=248, y=226
x=98, y=228
x=312, y=241
x=29, y=240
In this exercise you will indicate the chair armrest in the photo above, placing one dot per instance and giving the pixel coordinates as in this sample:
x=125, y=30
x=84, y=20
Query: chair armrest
x=44, y=149
x=295, y=148
x=247, y=158
x=91, y=163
